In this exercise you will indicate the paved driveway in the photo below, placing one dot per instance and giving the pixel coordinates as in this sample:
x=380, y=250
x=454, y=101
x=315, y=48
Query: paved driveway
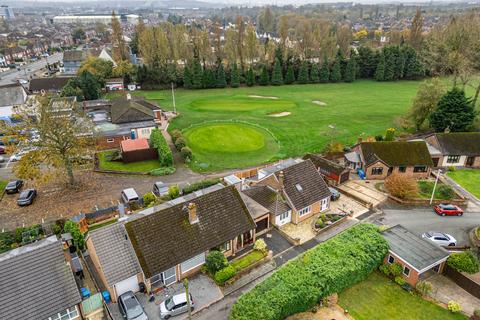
x=420, y=220
x=275, y=241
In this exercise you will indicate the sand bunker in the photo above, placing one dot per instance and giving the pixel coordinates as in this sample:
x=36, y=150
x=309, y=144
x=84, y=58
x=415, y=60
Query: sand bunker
x=319, y=103
x=280, y=114
x=263, y=97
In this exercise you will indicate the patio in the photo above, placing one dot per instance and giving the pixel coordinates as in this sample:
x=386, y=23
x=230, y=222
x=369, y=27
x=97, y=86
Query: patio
x=302, y=231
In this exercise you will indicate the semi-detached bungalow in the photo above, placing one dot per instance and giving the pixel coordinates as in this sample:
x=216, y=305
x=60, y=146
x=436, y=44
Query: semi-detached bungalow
x=457, y=149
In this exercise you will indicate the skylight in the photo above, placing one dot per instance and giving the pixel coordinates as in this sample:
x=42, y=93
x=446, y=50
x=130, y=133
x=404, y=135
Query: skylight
x=299, y=187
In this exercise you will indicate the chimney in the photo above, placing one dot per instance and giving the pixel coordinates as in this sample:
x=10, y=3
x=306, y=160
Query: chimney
x=129, y=96
x=280, y=179
x=192, y=213
x=360, y=140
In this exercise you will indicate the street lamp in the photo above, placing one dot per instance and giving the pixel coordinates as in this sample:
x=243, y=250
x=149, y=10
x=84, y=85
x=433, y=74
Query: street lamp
x=435, y=185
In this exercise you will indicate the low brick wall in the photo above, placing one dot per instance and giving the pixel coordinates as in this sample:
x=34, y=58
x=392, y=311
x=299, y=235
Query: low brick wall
x=294, y=242
x=426, y=202
x=463, y=281
x=354, y=197
x=341, y=220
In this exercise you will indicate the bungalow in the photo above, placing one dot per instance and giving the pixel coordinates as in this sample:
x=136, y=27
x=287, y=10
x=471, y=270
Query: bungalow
x=332, y=172
x=300, y=188
x=418, y=257
x=112, y=254
x=12, y=96
x=49, y=85
x=279, y=212
x=458, y=149
x=172, y=240
x=37, y=283
x=380, y=159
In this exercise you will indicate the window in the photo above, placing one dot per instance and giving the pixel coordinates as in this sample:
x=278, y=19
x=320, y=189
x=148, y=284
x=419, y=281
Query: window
x=406, y=271
x=391, y=259
x=453, y=159
x=193, y=262
x=145, y=131
x=305, y=211
x=110, y=140
x=402, y=169
x=224, y=247
x=377, y=171
x=284, y=215
x=68, y=314
x=420, y=169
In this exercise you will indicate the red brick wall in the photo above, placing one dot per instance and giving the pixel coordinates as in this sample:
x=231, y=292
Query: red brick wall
x=103, y=144
x=412, y=278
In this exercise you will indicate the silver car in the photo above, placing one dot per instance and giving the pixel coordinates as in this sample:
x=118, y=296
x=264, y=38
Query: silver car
x=175, y=305
x=130, y=307
x=442, y=239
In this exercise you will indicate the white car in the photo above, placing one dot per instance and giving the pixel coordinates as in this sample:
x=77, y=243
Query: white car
x=442, y=239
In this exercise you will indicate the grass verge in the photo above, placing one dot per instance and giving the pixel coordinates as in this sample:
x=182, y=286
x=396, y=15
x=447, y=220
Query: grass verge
x=468, y=179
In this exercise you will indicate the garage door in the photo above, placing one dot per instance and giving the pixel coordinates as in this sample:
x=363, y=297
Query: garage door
x=261, y=225
x=130, y=284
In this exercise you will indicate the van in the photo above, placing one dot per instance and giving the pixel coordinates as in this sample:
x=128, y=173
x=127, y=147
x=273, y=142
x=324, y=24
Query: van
x=160, y=189
x=129, y=196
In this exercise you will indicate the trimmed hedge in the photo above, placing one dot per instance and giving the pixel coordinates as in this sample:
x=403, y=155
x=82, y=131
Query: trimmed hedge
x=200, y=185
x=157, y=141
x=162, y=171
x=464, y=262
x=323, y=270
x=224, y=275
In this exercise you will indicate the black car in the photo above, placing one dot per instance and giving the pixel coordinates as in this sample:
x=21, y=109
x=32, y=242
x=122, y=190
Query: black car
x=14, y=186
x=26, y=197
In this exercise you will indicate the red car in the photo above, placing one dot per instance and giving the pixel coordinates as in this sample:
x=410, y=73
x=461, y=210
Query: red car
x=446, y=209
x=2, y=150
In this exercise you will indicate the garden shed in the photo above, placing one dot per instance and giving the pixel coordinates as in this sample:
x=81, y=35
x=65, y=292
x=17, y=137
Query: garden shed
x=134, y=150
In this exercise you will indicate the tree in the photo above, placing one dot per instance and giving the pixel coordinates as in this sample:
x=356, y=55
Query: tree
x=367, y=62
x=215, y=261
x=380, y=71
x=85, y=87
x=235, y=77
x=454, y=112
x=401, y=186
x=266, y=20
x=350, y=70
x=221, y=80
x=187, y=78
x=264, y=76
x=415, y=38
x=428, y=95
x=315, y=74
x=336, y=73
x=63, y=140
x=250, y=77
x=99, y=67
x=78, y=238
x=197, y=73
x=251, y=43
x=303, y=73
x=124, y=69
x=390, y=64
x=325, y=71
x=78, y=35
x=118, y=42
x=290, y=76
x=390, y=134
x=277, y=78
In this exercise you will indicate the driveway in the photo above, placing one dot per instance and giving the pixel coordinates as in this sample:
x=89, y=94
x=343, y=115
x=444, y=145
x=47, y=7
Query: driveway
x=275, y=241
x=364, y=190
x=420, y=220
x=445, y=290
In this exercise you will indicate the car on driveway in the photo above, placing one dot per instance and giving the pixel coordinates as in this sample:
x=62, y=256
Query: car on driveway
x=130, y=307
x=26, y=197
x=160, y=189
x=175, y=305
x=335, y=194
x=446, y=209
x=129, y=195
x=442, y=239
x=14, y=186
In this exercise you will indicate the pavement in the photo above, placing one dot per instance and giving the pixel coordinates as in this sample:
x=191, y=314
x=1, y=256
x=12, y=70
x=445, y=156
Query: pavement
x=445, y=290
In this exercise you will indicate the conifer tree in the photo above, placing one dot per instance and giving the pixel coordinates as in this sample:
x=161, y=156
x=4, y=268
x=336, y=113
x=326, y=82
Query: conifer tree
x=197, y=74
x=315, y=74
x=380, y=72
x=303, y=73
x=221, y=80
x=290, y=76
x=454, y=112
x=187, y=77
x=235, y=77
x=277, y=78
x=264, y=76
x=325, y=71
x=250, y=77
x=350, y=70
x=336, y=73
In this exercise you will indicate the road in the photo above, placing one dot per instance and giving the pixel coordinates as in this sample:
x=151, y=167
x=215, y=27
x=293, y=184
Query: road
x=420, y=220
x=10, y=76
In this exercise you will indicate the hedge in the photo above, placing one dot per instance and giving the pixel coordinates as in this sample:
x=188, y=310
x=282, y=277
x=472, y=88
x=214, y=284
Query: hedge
x=224, y=275
x=200, y=185
x=157, y=141
x=321, y=271
x=464, y=262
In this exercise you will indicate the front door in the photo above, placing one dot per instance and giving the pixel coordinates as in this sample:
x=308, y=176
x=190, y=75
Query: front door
x=470, y=161
x=324, y=204
x=435, y=162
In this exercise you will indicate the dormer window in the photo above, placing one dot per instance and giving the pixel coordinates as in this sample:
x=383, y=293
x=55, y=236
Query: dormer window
x=299, y=187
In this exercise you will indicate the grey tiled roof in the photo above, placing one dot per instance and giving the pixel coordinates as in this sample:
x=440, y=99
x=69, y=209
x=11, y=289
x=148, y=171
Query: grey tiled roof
x=166, y=238
x=459, y=143
x=418, y=252
x=12, y=95
x=115, y=252
x=36, y=282
x=268, y=199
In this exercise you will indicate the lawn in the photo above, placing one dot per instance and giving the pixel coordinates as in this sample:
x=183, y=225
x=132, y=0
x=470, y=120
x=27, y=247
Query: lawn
x=247, y=260
x=141, y=166
x=379, y=298
x=3, y=184
x=469, y=179
x=302, y=118
x=425, y=189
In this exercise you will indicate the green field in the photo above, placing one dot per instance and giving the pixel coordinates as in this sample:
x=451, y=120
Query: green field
x=469, y=179
x=346, y=111
x=378, y=298
x=140, y=166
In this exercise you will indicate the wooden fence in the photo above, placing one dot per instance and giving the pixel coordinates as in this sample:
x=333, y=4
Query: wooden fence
x=463, y=281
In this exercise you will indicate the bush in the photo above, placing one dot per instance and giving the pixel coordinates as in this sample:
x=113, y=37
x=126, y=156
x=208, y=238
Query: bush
x=180, y=143
x=162, y=171
x=385, y=269
x=260, y=245
x=464, y=262
x=395, y=269
x=328, y=268
x=215, y=261
x=454, y=306
x=446, y=192
x=400, y=281
x=224, y=275
x=78, y=238
x=175, y=134
x=148, y=198
x=424, y=287
x=379, y=138
x=452, y=168
x=401, y=186
x=157, y=141
x=173, y=191
x=476, y=313
x=200, y=185
x=186, y=153
x=113, y=155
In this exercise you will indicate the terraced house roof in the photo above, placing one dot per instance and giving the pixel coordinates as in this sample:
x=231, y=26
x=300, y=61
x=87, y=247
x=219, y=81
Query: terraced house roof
x=397, y=153
x=166, y=238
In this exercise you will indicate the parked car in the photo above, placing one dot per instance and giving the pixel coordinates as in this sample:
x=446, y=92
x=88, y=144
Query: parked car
x=160, y=188
x=14, y=186
x=440, y=238
x=129, y=195
x=2, y=149
x=26, y=197
x=175, y=305
x=446, y=209
x=130, y=307
x=335, y=194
